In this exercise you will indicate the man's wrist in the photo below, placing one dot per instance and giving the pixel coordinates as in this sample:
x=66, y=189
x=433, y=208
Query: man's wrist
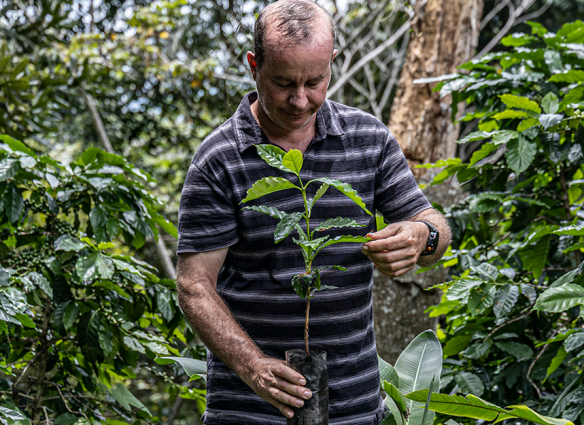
x=424, y=235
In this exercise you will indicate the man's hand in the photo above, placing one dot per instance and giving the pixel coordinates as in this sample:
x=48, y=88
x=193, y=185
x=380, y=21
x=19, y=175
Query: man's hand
x=278, y=384
x=396, y=249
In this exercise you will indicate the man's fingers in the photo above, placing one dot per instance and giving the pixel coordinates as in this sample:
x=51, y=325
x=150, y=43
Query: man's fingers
x=395, y=269
x=391, y=243
x=295, y=390
x=389, y=231
x=388, y=257
x=286, y=411
x=289, y=374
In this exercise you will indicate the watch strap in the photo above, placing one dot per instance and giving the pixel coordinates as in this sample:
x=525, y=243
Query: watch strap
x=433, y=238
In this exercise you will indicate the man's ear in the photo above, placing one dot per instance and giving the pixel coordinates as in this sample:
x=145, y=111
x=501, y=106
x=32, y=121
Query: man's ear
x=335, y=51
x=253, y=67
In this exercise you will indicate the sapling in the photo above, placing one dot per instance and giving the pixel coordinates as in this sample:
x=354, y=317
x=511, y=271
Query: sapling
x=307, y=283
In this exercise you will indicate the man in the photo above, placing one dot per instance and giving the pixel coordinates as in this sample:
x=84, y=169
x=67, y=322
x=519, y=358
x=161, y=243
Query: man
x=234, y=283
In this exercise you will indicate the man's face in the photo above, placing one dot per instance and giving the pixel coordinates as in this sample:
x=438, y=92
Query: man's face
x=293, y=79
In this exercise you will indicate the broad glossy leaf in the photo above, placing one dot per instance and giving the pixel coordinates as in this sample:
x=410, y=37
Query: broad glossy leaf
x=520, y=102
x=539, y=255
x=87, y=266
x=337, y=222
x=123, y=396
x=520, y=351
x=460, y=290
x=387, y=372
x=456, y=405
x=17, y=145
x=476, y=351
x=398, y=398
x=286, y=225
x=271, y=211
x=273, y=156
x=481, y=298
x=13, y=203
x=574, y=341
x=266, y=186
x=524, y=412
x=550, y=103
x=505, y=299
x=105, y=342
x=25, y=320
x=556, y=361
x=41, y=282
x=165, y=304
x=549, y=120
x=571, y=76
x=70, y=315
x=394, y=418
x=313, y=244
x=482, y=153
x=65, y=419
x=133, y=344
x=417, y=366
x=487, y=270
x=561, y=298
x=456, y=345
x=470, y=383
x=293, y=160
x=12, y=414
x=321, y=191
x=510, y=114
x=190, y=366
x=69, y=243
x=504, y=136
x=346, y=189
x=8, y=168
x=346, y=238
x=520, y=154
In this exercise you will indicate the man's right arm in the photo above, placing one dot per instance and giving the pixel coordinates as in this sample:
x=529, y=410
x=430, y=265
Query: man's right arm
x=270, y=378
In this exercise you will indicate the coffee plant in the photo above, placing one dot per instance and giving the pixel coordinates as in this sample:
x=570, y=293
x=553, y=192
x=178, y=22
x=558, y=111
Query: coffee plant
x=79, y=315
x=307, y=283
x=514, y=326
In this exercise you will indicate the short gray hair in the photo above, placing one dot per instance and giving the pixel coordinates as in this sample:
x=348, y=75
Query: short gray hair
x=293, y=19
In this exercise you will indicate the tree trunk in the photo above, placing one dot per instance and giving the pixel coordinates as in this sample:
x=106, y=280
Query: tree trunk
x=444, y=35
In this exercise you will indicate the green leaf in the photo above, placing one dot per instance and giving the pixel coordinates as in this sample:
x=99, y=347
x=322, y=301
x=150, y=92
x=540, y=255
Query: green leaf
x=520, y=102
x=286, y=225
x=65, y=419
x=456, y=405
x=69, y=243
x=273, y=156
x=9, y=167
x=487, y=270
x=556, y=361
x=520, y=351
x=510, y=114
x=11, y=414
x=344, y=188
x=561, y=298
x=87, y=267
x=481, y=298
x=70, y=315
x=456, y=345
x=337, y=222
x=165, y=303
x=504, y=136
x=387, y=372
x=25, y=320
x=271, y=211
x=344, y=238
x=133, y=344
x=293, y=161
x=16, y=145
x=526, y=124
x=13, y=203
x=550, y=104
x=161, y=221
x=482, y=153
x=521, y=154
x=572, y=76
x=470, y=383
x=400, y=401
x=472, y=137
x=417, y=366
x=460, y=290
x=266, y=186
x=539, y=255
x=106, y=343
x=549, y=120
x=126, y=398
x=477, y=350
x=40, y=282
x=524, y=412
x=505, y=299
x=574, y=341
x=321, y=191
x=190, y=366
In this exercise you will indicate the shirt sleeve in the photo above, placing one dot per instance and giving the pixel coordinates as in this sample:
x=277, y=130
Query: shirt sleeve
x=207, y=217
x=397, y=195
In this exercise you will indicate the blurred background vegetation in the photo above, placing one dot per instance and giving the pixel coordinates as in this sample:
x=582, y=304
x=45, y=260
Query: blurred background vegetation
x=149, y=80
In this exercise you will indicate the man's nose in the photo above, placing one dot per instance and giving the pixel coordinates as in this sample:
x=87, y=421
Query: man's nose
x=299, y=99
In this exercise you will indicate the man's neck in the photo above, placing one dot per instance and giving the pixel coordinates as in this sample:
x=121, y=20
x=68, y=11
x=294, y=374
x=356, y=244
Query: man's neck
x=286, y=139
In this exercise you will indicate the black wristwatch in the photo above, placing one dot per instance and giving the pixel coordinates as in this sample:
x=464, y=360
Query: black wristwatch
x=433, y=238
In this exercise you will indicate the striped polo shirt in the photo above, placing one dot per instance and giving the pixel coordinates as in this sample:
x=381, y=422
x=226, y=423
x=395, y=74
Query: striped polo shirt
x=255, y=280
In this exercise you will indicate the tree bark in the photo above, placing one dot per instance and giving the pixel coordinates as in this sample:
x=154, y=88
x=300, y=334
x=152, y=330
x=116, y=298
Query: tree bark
x=444, y=35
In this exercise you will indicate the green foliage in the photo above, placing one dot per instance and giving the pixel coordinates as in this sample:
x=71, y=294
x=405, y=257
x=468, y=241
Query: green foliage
x=514, y=305
x=80, y=316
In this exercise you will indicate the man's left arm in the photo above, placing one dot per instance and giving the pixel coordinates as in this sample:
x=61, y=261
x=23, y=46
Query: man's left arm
x=397, y=248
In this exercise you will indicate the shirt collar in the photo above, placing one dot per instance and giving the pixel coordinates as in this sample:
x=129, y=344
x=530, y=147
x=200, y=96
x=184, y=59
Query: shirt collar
x=248, y=131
